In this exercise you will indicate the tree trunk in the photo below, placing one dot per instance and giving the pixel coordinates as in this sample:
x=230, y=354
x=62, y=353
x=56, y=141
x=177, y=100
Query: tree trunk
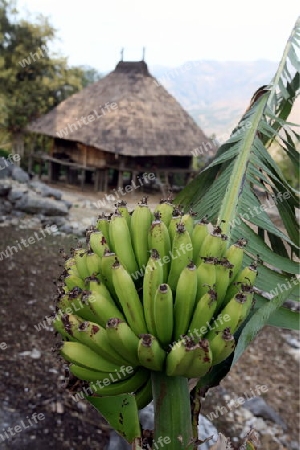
x=18, y=146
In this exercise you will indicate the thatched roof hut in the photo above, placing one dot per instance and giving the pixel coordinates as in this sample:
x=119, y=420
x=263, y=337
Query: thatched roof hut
x=125, y=119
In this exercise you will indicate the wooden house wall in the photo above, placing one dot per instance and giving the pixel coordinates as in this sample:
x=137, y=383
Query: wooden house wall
x=79, y=153
x=92, y=157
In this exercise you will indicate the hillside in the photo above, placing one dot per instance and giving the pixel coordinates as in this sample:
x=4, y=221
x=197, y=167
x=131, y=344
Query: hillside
x=215, y=93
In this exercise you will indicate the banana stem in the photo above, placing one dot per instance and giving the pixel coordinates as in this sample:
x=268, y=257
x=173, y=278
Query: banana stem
x=172, y=413
x=196, y=408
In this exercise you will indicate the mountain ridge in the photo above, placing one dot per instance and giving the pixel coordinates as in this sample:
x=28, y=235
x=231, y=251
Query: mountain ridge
x=215, y=93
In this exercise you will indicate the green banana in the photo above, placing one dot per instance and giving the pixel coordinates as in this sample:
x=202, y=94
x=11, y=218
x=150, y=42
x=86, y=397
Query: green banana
x=165, y=209
x=150, y=353
x=93, y=263
x=153, y=277
x=92, y=375
x=72, y=281
x=182, y=252
x=72, y=324
x=222, y=344
x=93, y=336
x=131, y=384
x=186, y=291
x=128, y=298
x=70, y=267
x=214, y=244
x=97, y=286
x=83, y=356
x=121, y=242
x=122, y=209
x=143, y=396
x=74, y=303
x=201, y=360
x=235, y=255
x=232, y=315
x=188, y=221
x=246, y=277
x=141, y=220
x=175, y=220
x=203, y=314
x=248, y=291
x=163, y=314
x=123, y=340
x=106, y=264
x=103, y=308
x=178, y=360
x=59, y=326
x=80, y=259
x=199, y=233
x=159, y=239
x=102, y=225
x=223, y=270
x=206, y=276
x=98, y=243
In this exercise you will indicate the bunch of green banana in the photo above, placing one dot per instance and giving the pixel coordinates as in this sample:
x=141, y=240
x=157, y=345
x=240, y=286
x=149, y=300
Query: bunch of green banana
x=153, y=291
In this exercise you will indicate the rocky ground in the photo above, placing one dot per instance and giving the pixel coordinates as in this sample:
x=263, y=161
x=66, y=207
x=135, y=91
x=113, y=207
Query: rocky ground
x=31, y=375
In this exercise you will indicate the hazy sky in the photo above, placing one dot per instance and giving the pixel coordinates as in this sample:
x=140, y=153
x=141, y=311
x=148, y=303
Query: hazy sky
x=92, y=32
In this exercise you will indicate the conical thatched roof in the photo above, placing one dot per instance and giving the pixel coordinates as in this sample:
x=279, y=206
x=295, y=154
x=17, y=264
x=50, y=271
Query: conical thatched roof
x=146, y=121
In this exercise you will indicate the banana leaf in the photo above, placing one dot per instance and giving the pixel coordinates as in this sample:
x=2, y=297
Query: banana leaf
x=121, y=412
x=243, y=190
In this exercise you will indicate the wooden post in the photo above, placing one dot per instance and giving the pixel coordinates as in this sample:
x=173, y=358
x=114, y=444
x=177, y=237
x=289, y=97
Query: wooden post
x=105, y=180
x=120, y=179
x=50, y=172
x=82, y=178
x=134, y=177
x=96, y=180
x=166, y=174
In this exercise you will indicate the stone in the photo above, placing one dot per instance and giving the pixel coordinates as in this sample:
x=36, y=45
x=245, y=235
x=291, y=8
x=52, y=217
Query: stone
x=269, y=442
x=4, y=190
x=16, y=193
x=19, y=175
x=19, y=214
x=87, y=221
x=33, y=204
x=205, y=430
x=260, y=408
x=293, y=342
x=67, y=203
x=44, y=190
x=6, y=206
x=67, y=229
x=5, y=168
x=60, y=221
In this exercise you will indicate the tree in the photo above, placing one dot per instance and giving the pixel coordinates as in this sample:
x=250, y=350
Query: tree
x=31, y=80
x=90, y=75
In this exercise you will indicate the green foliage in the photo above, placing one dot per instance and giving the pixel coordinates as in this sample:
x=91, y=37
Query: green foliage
x=230, y=187
x=121, y=412
x=3, y=153
x=289, y=171
x=31, y=80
